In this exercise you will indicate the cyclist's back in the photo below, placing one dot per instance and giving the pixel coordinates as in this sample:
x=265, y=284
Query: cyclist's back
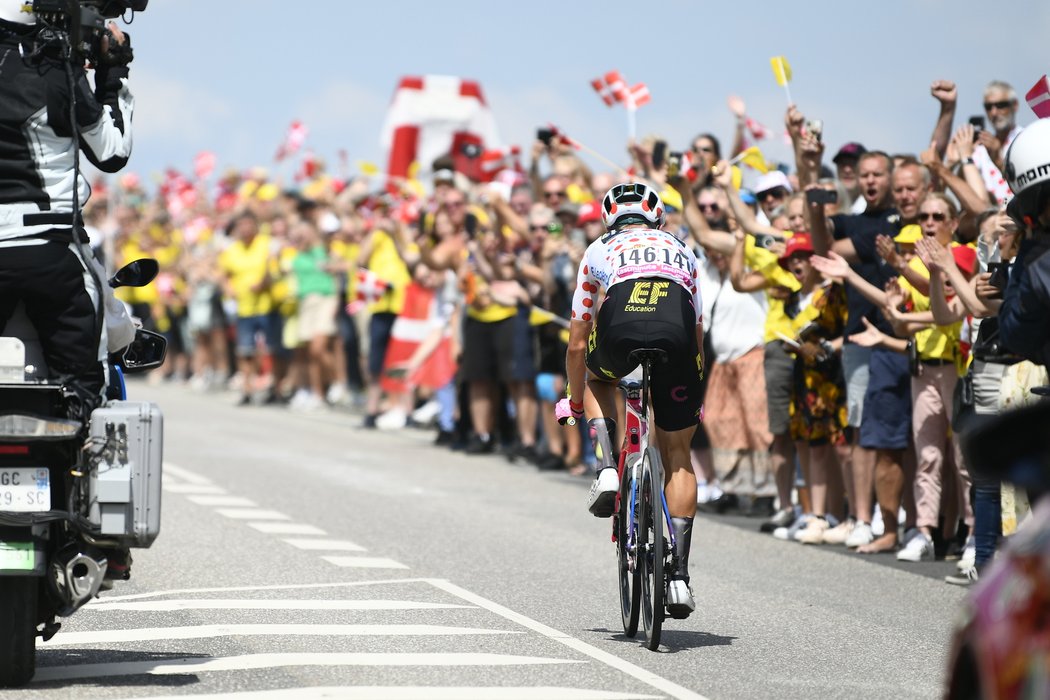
x=651, y=300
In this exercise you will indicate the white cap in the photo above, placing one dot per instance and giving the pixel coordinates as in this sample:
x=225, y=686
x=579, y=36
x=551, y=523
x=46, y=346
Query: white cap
x=17, y=12
x=774, y=178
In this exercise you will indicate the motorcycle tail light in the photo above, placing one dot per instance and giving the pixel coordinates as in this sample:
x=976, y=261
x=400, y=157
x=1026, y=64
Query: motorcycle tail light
x=16, y=427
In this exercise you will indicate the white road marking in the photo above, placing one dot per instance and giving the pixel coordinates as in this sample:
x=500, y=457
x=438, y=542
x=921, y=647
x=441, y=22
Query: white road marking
x=288, y=529
x=185, y=474
x=237, y=501
x=275, y=587
x=365, y=562
x=252, y=514
x=326, y=545
x=263, y=604
x=647, y=677
x=171, y=487
x=184, y=666
x=408, y=692
x=151, y=634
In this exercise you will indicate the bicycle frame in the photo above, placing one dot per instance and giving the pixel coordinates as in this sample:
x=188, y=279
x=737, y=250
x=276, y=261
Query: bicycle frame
x=635, y=442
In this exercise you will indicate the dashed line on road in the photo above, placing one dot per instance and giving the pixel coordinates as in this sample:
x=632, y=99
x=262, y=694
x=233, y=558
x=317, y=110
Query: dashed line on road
x=170, y=667
x=152, y=634
x=251, y=514
x=365, y=562
x=265, y=604
x=326, y=545
x=223, y=500
x=262, y=589
x=273, y=528
x=416, y=692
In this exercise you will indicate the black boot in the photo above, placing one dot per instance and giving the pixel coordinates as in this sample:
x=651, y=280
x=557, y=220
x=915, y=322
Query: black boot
x=680, y=603
x=683, y=535
x=605, y=433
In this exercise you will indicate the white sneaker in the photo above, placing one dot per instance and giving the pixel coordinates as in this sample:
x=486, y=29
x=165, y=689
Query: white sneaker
x=878, y=525
x=969, y=555
x=337, y=394
x=680, y=603
x=394, y=419
x=862, y=534
x=791, y=532
x=602, y=499
x=427, y=412
x=919, y=548
x=299, y=399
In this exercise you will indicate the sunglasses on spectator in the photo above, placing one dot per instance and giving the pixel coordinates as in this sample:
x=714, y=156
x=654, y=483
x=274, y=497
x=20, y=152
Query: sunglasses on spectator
x=554, y=193
x=703, y=149
x=937, y=216
x=1001, y=104
x=776, y=192
x=713, y=207
x=537, y=227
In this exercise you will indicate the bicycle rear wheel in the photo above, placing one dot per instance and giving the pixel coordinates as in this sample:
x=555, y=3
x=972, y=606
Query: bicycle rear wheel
x=652, y=548
x=627, y=569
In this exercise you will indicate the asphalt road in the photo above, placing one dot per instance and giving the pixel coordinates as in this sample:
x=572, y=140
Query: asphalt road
x=302, y=557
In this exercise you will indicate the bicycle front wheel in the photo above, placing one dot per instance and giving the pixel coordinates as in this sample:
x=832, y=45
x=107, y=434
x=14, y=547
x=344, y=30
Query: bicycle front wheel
x=627, y=535
x=652, y=548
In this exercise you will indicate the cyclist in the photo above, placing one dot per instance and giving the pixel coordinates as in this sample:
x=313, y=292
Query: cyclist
x=651, y=300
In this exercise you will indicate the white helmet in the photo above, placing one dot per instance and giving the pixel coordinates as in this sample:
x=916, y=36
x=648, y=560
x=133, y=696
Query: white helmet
x=1028, y=172
x=632, y=199
x=17, y=11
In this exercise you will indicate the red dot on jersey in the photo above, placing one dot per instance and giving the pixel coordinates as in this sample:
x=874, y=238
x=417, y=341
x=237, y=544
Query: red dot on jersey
x=586, y=317
x=585, y=271
x=574, y=314
x=588, y=302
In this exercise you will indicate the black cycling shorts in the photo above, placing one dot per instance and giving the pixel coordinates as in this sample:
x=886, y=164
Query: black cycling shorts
x=652, y=313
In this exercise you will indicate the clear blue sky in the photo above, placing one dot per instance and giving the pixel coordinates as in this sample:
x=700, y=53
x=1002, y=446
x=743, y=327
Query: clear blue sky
x=230, y=75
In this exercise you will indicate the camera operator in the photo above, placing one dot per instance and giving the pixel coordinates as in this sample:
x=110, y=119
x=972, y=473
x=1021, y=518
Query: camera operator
x=1023, y=324
x=41, y=264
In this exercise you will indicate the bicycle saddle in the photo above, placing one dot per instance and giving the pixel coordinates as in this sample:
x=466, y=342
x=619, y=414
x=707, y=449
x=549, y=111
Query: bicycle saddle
x=652, y=354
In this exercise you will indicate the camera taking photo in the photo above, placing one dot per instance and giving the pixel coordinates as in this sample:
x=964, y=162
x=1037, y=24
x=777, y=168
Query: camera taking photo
x=84, y=24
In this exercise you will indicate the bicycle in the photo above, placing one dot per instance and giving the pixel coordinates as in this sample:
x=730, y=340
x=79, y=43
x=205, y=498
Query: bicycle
x=645, y=542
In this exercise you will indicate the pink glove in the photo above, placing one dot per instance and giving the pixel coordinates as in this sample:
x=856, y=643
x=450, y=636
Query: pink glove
x=567, y=412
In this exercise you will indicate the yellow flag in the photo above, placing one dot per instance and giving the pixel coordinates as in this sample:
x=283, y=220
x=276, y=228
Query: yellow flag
x=413, y=170
x=539, y=317
x=753, y=158
x=367, y=168
x=781, y=70
x=563, y=336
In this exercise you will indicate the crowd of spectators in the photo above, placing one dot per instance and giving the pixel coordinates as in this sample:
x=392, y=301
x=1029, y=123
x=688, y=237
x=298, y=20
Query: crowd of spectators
x=849, y=313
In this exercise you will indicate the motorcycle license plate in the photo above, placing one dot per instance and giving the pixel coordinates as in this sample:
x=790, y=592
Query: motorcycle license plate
x=25, y=489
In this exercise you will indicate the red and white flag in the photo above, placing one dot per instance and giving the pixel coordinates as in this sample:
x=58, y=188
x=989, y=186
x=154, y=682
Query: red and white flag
x=638, y=96
x=293, y=141
x=603, y=92
x=757, y=130
x=417, y=321
x=436, y=115
x=617, y=85
x=204, y=165
x=1039, y=98
x=368, y=286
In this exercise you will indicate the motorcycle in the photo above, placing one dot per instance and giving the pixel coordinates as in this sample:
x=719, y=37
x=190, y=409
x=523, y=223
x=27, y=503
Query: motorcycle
x=77, y=489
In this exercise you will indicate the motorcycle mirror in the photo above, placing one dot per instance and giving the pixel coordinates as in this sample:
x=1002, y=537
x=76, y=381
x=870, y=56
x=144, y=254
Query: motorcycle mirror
x=137, y=273
x=147, y=351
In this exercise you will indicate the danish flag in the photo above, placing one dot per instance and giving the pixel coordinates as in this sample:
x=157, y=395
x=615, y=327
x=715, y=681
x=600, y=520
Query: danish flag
x=1039, y=98
x=293, y=141
x=612, y=88
x=758, y=132
x=369, y=287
